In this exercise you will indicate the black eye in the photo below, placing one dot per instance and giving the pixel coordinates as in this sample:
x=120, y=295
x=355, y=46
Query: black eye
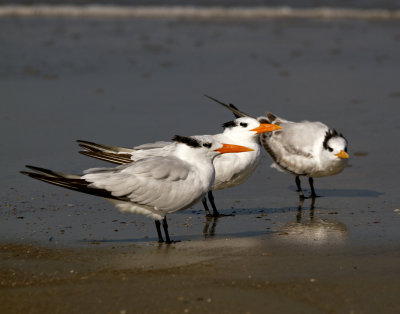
x=345, y=149
x=243, y=124
x=208, y=145
x=330, y=149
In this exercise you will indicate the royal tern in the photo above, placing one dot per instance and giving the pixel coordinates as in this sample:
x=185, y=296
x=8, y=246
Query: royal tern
x=153, y=186
x=230, y=169
x=303, y=148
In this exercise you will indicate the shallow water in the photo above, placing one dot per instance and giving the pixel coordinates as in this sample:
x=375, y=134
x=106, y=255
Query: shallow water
x=132, y=81
x=121, y=82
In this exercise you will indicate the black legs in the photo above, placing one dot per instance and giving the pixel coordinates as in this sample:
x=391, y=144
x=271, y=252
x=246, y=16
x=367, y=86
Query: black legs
x=297, y=180
x=311, y=181
x=204, y=201
x=211, y=199
x=160, y=238
x=165, y=227
x=300, y=191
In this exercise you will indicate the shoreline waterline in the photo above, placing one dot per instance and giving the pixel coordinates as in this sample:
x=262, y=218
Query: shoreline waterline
x=180, y=11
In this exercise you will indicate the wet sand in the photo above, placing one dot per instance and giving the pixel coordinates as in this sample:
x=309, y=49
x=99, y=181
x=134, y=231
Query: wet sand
x=227, y=275
x=132, y=81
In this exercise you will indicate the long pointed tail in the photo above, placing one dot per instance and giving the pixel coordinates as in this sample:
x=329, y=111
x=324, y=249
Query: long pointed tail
x=68, y=181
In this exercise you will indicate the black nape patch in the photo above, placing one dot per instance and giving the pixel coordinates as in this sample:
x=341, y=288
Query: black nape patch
x=271, y=117
x=186, y=140
x=263, y=120
x=229, y=124
x=330, y=134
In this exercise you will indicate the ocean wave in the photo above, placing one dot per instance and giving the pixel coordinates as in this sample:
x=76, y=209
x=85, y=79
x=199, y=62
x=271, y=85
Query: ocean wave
x=195, y=12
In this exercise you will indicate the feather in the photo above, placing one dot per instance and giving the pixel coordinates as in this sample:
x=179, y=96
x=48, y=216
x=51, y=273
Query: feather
x=72, y=184
x=118, y=159
x=231, y=107
x=91, y=146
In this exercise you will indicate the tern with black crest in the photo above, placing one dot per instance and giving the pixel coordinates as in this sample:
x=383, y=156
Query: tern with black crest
x=153, y=186
x=230, y=169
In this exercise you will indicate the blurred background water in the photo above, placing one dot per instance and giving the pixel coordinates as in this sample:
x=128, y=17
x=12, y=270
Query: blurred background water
x=132, y=81
x=361, y=4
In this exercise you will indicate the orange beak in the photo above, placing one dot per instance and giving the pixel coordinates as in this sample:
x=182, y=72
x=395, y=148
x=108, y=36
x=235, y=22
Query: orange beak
x=230, y=148
x=342, y=154
x=262, y=128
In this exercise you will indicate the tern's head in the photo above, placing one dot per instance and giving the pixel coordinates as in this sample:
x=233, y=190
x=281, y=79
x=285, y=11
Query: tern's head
x=205, y=145
x=247, y=128
x=335, y=145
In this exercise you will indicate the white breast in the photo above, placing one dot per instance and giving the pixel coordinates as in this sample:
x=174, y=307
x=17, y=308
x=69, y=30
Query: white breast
x=234, y=169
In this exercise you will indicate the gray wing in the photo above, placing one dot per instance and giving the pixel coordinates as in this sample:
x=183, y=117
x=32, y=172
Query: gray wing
x=158, y=182
x=159, y=144
x=295, y=145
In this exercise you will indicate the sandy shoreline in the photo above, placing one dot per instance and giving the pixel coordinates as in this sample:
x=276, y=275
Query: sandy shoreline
x=246, y=277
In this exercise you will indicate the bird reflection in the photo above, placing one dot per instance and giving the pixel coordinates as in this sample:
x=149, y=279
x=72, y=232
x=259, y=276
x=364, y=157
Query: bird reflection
x=313, y=230
x=300, y=209
x=209, y=231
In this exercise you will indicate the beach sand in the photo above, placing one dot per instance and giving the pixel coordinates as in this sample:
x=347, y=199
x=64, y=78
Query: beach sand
x=132, y=81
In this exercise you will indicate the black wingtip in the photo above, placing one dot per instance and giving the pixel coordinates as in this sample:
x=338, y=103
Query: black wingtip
x=216, y=100
x=33, y=175
x=37, y=169
x=84, y=142
x=87, y=145
x=227, y=106
x=75, y=184
x=233, y=106
x=237, y=113
x=43, y=171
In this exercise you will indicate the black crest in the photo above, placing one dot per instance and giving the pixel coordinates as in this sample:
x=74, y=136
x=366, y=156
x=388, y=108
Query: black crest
x=263, y=120
x=186, y=140
x=330, y=134
x=229, y=124
x=271, y=117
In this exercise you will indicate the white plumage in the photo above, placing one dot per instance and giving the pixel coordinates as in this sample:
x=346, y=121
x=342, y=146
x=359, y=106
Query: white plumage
x=303, y=148
x=230, y=169
x=153, y=186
